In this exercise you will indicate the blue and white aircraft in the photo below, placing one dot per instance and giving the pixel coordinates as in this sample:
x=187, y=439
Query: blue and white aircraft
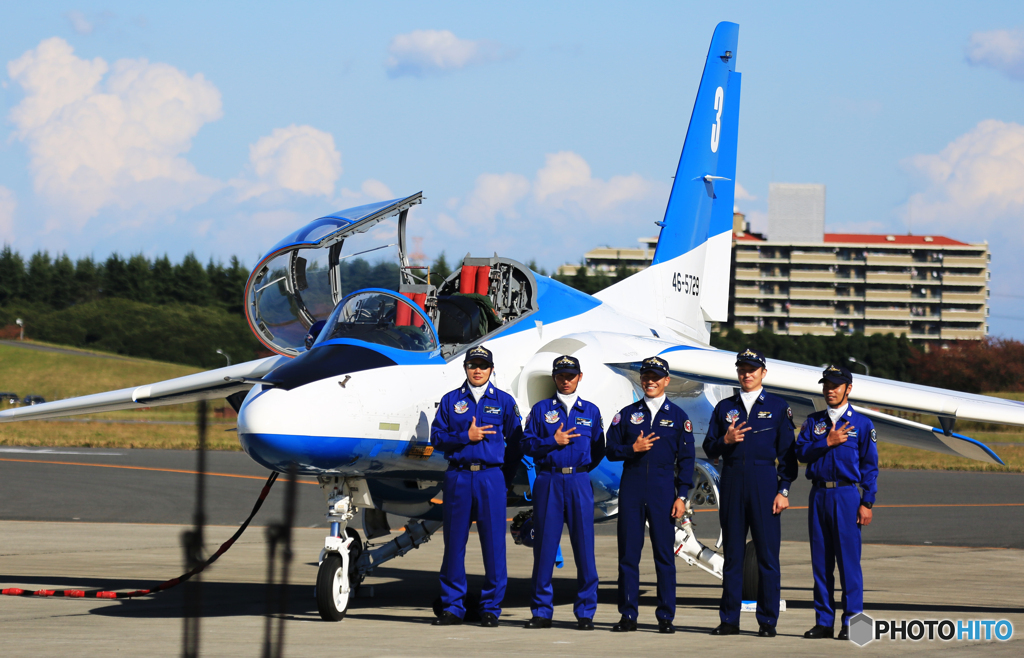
x=350, y=396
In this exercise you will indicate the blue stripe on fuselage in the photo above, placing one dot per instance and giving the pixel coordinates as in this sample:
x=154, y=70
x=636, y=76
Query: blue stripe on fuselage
x=334, y=454
x=555, y=301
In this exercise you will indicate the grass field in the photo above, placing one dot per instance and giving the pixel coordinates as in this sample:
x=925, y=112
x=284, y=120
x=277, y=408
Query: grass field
x=55, y=376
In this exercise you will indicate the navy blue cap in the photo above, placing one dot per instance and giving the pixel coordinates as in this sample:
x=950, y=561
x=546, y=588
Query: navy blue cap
x=656, y=365
x=751, y=357
x=480, y=354
x=565, y=363
x=836, y=375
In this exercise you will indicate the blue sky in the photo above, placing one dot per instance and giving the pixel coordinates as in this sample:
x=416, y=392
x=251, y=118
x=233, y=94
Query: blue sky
x=534, y=129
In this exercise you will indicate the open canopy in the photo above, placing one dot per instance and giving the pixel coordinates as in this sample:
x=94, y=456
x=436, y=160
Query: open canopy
x=298, y=282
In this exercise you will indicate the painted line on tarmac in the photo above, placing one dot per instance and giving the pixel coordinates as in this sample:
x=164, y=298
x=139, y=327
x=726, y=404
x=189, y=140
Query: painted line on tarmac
x=48, y=451
x=146, y=468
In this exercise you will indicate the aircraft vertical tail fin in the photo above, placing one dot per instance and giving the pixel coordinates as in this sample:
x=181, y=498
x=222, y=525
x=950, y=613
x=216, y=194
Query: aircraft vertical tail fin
x=690, y=258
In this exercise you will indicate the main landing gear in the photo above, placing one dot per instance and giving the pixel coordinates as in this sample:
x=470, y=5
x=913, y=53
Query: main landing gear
x=344, y=561
x=703, y=494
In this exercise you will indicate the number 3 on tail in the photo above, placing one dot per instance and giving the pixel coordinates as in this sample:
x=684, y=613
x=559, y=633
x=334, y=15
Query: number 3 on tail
x=716, y=127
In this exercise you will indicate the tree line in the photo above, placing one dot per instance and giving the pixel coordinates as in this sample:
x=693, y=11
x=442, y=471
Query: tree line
x=151, y=308
x=183, y=312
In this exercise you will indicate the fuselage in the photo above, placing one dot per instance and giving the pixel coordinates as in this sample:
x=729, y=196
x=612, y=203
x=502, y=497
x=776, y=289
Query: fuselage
x=375, y=422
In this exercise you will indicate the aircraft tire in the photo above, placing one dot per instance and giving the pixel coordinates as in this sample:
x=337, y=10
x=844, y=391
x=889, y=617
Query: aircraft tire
x=331, y=601
x=354, y=551
x=750, y=573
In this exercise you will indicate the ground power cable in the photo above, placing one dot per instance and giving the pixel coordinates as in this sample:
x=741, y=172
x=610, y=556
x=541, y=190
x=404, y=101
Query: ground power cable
x=162, y=587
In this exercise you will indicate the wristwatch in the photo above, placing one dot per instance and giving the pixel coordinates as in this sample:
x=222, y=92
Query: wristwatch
x=864, y=503
x=784, y=493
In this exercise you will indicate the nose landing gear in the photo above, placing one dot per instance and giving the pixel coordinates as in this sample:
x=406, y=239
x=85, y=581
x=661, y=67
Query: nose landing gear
x=338, y=578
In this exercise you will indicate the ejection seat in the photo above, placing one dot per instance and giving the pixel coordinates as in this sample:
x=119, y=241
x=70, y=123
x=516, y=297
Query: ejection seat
x=478, y=298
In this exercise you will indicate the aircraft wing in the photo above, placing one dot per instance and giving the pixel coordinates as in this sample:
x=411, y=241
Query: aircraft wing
x=208, y=385
x=791, y=380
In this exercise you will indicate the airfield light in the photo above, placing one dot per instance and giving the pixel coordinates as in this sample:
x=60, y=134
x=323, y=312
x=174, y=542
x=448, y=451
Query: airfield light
x=225, y=355
x=867, y=371
x=21, y=324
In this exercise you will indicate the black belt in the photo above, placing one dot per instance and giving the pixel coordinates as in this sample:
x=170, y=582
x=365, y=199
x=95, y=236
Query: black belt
x=566, y=470
x=470, y=467
x=740, y=461
x=832, y=485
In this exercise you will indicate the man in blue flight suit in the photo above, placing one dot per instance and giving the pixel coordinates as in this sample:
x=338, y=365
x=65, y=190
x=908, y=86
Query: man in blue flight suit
x=752, y=432
x=838, y=458
x=654, y=439
x=472, y=424
x=565, y=437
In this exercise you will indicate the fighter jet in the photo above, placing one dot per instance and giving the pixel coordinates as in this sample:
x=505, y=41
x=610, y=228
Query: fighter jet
x=357, y=375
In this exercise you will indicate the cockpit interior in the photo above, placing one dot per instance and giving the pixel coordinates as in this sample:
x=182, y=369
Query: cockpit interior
x=295, y=297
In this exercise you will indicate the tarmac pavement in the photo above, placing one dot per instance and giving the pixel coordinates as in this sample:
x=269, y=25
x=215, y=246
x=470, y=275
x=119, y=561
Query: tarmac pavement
x=41, y=547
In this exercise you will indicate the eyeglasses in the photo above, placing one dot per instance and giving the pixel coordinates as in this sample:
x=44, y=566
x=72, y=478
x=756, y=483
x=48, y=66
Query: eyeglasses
x=477, y=366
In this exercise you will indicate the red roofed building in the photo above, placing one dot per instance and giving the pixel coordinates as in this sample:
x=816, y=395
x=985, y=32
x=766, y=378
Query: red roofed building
x=928, y=287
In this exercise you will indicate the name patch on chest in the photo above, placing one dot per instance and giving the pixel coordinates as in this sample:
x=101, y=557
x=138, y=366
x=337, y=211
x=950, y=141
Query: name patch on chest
x=820, y=427
x=585, y=422
x=764, y=414
x=551, y=417
x=492, y=410
x=732, y=416
x=665, y=422
x=461, y=407
x=637, y=418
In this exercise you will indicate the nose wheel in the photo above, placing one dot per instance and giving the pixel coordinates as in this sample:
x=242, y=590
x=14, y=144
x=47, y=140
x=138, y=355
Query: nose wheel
x=338, y=579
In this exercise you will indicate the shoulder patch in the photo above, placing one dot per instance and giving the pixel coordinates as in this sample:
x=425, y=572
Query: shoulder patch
x=515, y=410
x=874, y=437
x=615, y=421
x=688, y=426
x=789, y=412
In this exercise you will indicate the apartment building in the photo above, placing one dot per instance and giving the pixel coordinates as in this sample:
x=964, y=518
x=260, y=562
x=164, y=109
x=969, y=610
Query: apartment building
x=799, y=280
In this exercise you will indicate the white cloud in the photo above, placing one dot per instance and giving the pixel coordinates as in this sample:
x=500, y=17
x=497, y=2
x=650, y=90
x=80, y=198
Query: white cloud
x=743, y=195
x=975, y=183
x=371, y=191
x=494, y=195
x=562, y=212
x=101, y=135
x=79, y=23
x=1002, y=50
x=565, y=183
x=424, y=52
x=299, y=159
x=7, y=206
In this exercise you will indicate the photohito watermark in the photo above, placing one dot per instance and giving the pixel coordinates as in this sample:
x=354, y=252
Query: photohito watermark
x=864, y=629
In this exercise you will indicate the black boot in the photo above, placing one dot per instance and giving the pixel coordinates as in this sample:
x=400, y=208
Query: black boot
x=819, y=632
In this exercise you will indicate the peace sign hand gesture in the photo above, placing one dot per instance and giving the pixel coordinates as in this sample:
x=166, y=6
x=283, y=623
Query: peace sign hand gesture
x=644, y=443
x=735, y=433
x=565, y=438
x=478, y=433
x=837, y=435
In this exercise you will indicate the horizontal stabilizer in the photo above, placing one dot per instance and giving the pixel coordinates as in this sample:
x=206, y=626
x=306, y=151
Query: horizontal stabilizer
x=791, y=380
x=208, y=385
